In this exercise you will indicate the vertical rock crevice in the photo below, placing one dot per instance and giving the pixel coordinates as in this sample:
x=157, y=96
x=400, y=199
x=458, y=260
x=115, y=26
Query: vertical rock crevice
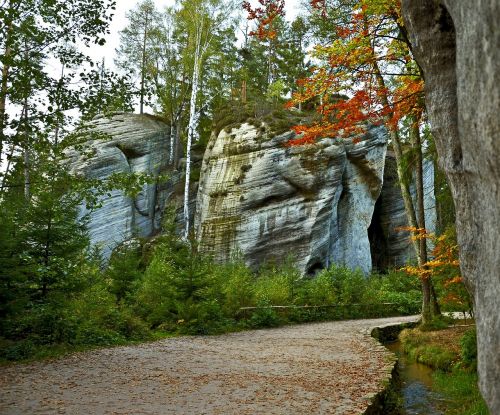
x=361, y=186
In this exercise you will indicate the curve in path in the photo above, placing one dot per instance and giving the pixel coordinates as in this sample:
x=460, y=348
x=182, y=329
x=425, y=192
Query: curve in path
x=321, y=368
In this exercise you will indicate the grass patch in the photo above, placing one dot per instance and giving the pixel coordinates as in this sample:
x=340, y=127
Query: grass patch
x=453, y=352
x=460, y=387
x=439, y=349
x=269, y=119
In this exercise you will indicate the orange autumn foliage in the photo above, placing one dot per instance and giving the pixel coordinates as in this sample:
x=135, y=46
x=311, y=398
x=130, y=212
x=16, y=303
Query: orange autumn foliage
x=443, y=268
x=368, y=60
x=265, y=15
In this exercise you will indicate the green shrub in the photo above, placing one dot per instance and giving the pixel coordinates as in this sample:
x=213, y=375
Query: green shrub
x=20, y=350
x=155, y=296
x=275, y=285
x=238, y=287
x=265, y=316
x=124, y=271
x=349, y=286
x=395, y=287
x=181, y=290
x=468, y=348
x=91, y=334
x=203, y=317
x=316, y=291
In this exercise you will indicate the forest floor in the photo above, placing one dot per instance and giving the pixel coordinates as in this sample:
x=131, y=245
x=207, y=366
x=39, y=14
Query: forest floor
x=320, y=368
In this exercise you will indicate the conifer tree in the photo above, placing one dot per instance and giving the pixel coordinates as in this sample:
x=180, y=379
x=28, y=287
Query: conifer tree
x=137, y=42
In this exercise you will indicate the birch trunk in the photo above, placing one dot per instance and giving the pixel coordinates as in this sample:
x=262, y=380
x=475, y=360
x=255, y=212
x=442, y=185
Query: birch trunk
x=192, y=129
x=143, y=64
x=172, y=143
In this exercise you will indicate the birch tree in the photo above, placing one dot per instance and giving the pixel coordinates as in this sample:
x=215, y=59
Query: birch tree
x=202, y=20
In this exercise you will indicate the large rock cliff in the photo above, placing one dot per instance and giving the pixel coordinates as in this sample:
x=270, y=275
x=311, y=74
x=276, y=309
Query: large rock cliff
x=314, y=203
x=126, y=143
x=457, y=44
x=335, y=201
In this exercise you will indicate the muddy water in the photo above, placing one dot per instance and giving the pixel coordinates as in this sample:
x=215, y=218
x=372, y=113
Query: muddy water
x=416, y=386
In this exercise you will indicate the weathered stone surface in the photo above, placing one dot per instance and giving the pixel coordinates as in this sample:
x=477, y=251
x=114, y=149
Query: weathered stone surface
x=269, y=201
x=457, y=44
x=389, y=244
x=133, y=144
x=361, y=186
x=317, y=203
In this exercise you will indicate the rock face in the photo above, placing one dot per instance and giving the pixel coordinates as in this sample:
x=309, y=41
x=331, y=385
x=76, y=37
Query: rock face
x=329, y=202
x=457, y=44
x=362, y=180
x=389, y=244
x=313, y=203
x=133, y=144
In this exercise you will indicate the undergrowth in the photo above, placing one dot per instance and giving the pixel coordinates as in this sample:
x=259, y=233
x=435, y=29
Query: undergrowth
x=452, y=351
x=168, y=288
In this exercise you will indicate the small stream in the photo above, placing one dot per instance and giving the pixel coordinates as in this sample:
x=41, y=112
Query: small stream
x=416, y=385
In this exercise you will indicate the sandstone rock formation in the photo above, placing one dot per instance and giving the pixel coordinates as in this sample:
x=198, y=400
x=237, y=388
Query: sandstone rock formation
x=457, y=44
x=132, y=144
x=389, y=244
x=329, y=202
x=269, y=201
x=314, y=203
x=362, y=179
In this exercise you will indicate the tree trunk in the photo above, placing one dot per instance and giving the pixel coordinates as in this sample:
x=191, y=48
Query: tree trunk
x=426, y=301
x=26, y=154
x=4, y=90
x=7, y=169
x=177, y=144
x=27, y=184
x=143, y=65
x=408, y=202
x=192, y=130
x=244, y=91
x=419, y=181
x=172, y=142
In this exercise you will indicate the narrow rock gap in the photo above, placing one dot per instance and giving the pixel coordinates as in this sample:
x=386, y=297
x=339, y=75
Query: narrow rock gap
x=378, y=241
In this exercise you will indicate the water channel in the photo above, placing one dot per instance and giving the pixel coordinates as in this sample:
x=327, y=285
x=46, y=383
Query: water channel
x=416, y=385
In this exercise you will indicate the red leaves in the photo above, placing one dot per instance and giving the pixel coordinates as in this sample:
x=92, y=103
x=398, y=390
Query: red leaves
x=368, y=60
x=307, y=135
x=265, y=17
x=407, y=99
x=319, y=5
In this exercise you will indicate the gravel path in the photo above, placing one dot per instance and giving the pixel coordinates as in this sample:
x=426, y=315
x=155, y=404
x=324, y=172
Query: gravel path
x=322, y=368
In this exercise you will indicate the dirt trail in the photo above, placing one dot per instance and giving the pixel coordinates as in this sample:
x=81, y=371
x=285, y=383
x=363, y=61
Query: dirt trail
x=322, y=368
